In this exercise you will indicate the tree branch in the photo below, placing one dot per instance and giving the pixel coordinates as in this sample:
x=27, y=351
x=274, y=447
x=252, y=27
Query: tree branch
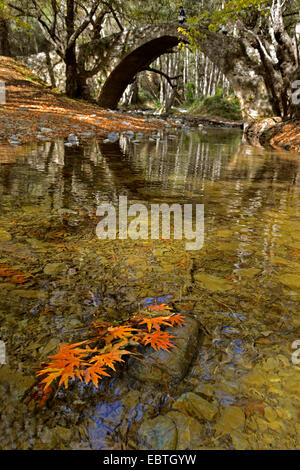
x=84, y=24
x=169, y=79
x=113, y=12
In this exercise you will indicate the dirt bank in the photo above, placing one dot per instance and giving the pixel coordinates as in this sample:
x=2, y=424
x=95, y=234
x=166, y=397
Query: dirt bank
x=274, y=133
x=34, y=112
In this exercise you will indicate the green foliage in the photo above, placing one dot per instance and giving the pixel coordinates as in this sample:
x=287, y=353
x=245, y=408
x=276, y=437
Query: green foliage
x=221, y=13
x=234, y=10
x=7, y=14
x=218, y=105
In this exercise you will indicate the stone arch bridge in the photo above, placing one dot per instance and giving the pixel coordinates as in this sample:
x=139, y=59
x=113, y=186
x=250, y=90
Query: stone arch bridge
x=127, y=53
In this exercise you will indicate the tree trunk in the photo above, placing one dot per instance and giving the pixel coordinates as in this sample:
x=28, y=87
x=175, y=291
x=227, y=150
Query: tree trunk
x=50, y=69
x=170, y=99
x=72, y=88
x=134, y=93
x=4, y=40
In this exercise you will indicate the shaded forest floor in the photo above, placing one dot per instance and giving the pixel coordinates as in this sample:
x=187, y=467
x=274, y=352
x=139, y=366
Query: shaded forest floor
x=31, y=105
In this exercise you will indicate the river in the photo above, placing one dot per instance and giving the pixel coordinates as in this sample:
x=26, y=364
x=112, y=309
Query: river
x=241, y=390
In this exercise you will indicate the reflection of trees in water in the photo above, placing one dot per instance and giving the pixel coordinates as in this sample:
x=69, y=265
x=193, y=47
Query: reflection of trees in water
x=219, y=170
x=236, y=183
x=247, y=190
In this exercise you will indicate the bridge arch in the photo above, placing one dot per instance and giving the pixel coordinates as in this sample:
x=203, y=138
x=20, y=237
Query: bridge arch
x=136, y=61
x=133, y=51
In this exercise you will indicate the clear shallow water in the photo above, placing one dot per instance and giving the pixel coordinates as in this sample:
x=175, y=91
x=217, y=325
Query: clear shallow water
x=243, y=286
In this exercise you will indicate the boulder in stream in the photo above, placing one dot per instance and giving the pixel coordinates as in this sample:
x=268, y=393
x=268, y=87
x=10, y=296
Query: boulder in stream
x=159, y=366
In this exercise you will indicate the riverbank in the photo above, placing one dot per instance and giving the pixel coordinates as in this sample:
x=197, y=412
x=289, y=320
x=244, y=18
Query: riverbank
x=274, y=133
x=34, y=112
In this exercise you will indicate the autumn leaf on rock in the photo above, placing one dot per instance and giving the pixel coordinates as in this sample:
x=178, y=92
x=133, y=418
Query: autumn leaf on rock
x=177, y=319
x=109, y=345
x=158, y=340
x=65, y=364
x=119, y=332
x=51, y=374
x=95, y=372
x=111, y=355
x=155, y=322
x=158, y=308
x=99, y=362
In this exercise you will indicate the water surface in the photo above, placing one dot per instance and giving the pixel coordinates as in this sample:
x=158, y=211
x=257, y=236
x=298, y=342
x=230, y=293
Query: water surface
x=243, y=285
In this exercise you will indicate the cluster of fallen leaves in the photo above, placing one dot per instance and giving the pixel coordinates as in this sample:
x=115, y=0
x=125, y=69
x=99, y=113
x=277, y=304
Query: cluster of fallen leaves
x=15, y=276
x=91, y=360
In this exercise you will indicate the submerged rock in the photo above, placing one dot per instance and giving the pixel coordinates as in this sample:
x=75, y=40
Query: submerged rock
x=171, y=366
x=18, y=383
x=194, y=405
x=212, y=283
x=159, y=433
x=232, y=418
x=53, y=269
x=189, y=430
x=4, y=236
x=29, y=293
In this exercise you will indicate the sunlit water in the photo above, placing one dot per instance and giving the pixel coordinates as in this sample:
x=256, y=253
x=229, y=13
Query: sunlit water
x=243, y=285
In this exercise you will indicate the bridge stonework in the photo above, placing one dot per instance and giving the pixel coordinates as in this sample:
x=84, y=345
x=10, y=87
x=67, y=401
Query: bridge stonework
x=129, y=52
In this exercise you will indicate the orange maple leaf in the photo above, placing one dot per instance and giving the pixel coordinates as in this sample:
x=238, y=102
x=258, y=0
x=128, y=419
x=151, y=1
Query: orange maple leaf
x=177, y=319
x=158, y=308
x=111, y=355
x=158, y=340
x=101, y=327
x=119, y=332
x=45, y=395
x=95, y=372
x=20, y=278
x=101, y=324
x=98, y=363
x=17, y=277
x=5, y=271
x=155, y=322
x=65, y=364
